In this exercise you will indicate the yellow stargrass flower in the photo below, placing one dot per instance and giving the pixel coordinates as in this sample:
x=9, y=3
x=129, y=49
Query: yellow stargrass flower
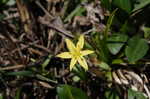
x=75, y=53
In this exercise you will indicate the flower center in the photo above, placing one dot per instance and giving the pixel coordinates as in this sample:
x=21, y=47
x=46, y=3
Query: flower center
x=76, y=54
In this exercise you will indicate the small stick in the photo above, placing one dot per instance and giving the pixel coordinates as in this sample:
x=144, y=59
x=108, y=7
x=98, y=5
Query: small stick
x=12, y=67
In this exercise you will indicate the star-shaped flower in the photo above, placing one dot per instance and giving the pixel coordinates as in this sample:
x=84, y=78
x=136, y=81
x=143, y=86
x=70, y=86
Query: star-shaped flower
x=75, y=53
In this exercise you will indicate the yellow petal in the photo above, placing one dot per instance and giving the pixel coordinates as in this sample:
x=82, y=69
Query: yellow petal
x=80, y=43
x=64, y=55
x=83, y=63
x=72, y=63
x=70, y=45
x=86, y=52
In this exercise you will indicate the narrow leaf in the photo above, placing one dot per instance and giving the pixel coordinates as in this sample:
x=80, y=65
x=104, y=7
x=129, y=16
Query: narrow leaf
x=20, y=73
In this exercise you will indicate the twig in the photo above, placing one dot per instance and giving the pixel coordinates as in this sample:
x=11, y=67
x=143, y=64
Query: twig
x=64, y=32
x=38, y=3
x=12, y=67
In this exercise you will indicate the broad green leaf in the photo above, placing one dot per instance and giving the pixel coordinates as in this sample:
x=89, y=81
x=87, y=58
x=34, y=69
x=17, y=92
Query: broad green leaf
x=123, y=4
x=117, y=61
x=135, y=94
x=136, y=49
x=20, y=73
x=116, y=42
x=109, y=76
x=69, y=92
x=11, y=2
x=140, y=4
x=104, y=66
x=111, y=94
x=146, y=32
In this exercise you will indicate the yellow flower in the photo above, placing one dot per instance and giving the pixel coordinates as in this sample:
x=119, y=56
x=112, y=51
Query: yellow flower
x=75, y=53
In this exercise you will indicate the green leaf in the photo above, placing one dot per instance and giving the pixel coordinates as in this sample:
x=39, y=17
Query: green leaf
x=76, y=12
x=76, y=78
x=106, y=4
x=11, y=2
x=2, y=16
x=135, y=94
x=116, y=42
x=109, y=76
x=109, y=23
x=20, y=73
x=146, y=32
x=101, y=43
x=80, y=72
x=136, y=49
x=125, y=27
x=1, y=96
x=111, y=94
x=69, y=92
x=104, y=66
x=123, y=4
x=117, y=61
x=100, y=46
x=18, y=93
x=46, y=62
x=3, y=1
x=45, y=79
x=140, y=4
